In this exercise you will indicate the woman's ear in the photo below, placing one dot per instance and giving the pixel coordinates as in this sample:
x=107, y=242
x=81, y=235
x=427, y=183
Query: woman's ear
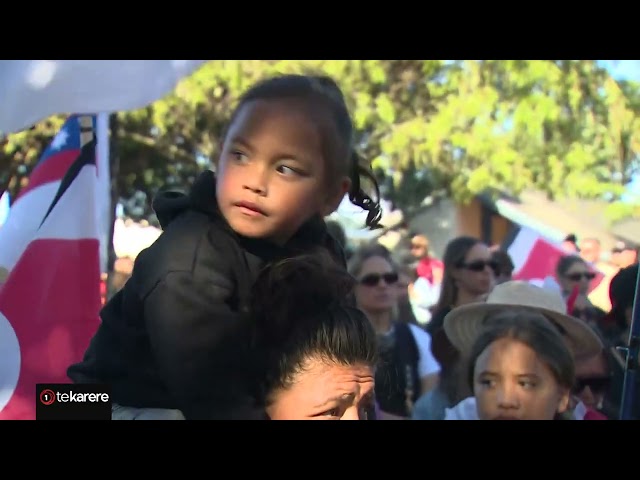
x=563, y=404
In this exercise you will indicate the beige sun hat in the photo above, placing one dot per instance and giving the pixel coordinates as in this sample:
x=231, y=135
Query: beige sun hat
x=464, y=324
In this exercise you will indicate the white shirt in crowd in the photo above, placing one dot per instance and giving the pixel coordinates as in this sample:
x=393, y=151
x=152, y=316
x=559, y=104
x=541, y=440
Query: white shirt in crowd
x=466, y=410
x=425, y=296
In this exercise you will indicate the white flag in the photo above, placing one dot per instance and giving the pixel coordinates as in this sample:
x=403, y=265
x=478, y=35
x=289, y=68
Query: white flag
x=32, y=90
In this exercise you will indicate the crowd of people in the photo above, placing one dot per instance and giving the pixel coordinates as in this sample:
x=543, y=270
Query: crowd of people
x=476, y=315
x=250, y=306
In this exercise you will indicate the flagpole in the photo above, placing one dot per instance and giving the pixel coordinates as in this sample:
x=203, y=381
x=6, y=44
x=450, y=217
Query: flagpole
x=629, y=386
x=103, y=200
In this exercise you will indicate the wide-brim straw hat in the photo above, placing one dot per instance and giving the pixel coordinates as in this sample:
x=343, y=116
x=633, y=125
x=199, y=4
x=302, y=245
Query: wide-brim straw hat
x=464, y=324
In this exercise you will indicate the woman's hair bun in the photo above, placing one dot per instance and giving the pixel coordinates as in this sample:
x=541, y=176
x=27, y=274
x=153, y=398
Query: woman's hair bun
x=297, y=289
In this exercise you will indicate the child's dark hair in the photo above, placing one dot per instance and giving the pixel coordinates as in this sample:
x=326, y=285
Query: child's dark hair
x=302, y=309
x=340, y=154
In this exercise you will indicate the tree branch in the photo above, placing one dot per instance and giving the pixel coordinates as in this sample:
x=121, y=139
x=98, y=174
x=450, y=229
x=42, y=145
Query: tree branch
x=172, y=150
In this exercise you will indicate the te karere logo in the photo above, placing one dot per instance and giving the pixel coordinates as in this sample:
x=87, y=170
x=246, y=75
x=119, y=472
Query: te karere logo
x=49, y=397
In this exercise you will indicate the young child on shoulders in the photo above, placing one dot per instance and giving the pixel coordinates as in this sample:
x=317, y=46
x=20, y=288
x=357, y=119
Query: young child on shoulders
x=173, y=342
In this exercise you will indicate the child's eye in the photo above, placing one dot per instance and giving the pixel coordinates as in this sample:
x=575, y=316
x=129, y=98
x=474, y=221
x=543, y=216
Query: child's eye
x=238, y=156
x=287, y=170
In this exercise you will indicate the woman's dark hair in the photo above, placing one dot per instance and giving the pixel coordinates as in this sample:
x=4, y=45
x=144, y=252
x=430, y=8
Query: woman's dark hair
x=454, y=255
x=622, y=291
x=339, y=141
x=302, y=309
x=535, y=331
x=452, y=383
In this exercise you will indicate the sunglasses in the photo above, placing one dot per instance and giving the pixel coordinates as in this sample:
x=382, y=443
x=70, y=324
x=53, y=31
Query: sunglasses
x=480, y=265
x=576, y=277
x=373, y=279
x=596, y=384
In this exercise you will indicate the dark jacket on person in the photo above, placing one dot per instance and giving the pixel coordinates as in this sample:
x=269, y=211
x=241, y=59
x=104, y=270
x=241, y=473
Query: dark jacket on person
x=176, y=336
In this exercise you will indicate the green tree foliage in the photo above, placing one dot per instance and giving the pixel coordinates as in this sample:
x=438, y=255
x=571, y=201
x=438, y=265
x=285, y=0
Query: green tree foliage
x=564, y=127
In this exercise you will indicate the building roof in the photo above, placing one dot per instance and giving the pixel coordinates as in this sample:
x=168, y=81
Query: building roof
x=628, y=230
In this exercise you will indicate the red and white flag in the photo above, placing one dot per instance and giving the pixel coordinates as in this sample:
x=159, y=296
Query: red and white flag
x=50, y=301
x=535, y=259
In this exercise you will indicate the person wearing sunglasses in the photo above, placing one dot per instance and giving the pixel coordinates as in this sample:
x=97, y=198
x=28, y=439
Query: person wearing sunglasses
x=407, y=368
x=571, y=272
x=592, y=385
x=469, y=276
x=574, y=274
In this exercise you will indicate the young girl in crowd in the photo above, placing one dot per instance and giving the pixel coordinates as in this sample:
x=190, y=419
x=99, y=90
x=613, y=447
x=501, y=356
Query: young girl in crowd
x=173, y=342
x=315, y=353
x=520, y=368
x=529, y=369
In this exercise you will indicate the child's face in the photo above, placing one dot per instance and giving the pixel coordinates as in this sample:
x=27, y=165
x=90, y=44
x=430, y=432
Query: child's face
x=271, y=173
x=512, y=382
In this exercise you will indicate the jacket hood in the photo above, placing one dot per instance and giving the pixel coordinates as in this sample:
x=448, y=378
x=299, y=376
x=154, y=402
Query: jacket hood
x=170, y=204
